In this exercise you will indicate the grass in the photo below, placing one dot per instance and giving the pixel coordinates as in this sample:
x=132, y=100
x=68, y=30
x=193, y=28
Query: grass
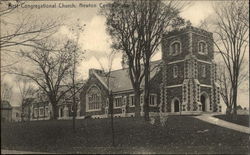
x=240, y=119
x=183, y=134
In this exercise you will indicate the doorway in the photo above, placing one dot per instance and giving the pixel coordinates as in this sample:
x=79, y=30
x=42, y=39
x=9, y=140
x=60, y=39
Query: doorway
x=203, y=102
x=204, y=99
x=176, y=106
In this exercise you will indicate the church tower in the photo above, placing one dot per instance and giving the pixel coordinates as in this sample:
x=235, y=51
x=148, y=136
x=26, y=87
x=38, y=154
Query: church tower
x=189, y=72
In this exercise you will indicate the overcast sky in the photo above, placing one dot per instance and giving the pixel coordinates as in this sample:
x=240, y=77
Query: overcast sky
x=95, y=40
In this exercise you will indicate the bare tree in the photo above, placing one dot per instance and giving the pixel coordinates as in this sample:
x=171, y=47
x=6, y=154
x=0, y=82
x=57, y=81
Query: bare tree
x=20, y=29
x=6, y=91
x=50, y=65
x=107, y=73
x=77, y=55
x=26, y=90
x=157, y=18
x=122, y=23
x=136, y=28
x=226, y=89
x=232, y=30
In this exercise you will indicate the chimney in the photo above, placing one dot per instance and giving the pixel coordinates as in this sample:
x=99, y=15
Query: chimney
x=92, y=71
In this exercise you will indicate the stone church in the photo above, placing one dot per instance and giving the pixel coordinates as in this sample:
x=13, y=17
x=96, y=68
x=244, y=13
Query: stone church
x=183, y=82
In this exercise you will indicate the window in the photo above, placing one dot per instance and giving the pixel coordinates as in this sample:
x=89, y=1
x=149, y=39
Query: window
x=152, y=100
x=202, y=47
x=125, y=100
x=175, y=48
x=72, y=108
x=106, y=111
x=93, y=99
x=41, y=111
x=118, y=102
x=107, y=102
x=142, y=99
x=46, y=111
x=175, y=71
x=132, y=100
x=35, y=112
x=203, y=70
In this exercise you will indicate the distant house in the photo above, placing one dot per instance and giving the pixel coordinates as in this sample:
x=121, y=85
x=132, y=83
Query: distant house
x=39, y=107
x=242, y=111
x=27, y=108
x=6, y=111
x=16, y=114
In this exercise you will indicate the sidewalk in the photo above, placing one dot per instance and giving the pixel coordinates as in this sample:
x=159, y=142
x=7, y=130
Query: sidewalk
x=21, y=152
x=210, y=119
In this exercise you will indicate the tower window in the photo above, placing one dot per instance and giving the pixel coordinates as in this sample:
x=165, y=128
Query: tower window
x=152, y=100
x=202, y=47
x=203, y=70
x=175, y=48
x=175, y=71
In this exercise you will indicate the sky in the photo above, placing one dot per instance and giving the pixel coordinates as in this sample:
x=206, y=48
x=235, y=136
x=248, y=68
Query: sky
x=96, y=42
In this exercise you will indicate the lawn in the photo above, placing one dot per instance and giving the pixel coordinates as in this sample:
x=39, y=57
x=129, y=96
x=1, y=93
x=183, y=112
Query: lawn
x=183, y=134
x=240, y=119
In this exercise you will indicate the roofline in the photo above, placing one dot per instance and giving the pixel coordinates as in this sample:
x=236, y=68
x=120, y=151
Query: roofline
x=117, y=92
x=128, y=67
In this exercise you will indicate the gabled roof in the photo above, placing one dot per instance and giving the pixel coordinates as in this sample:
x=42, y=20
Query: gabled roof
x=120, y=79
x=5, y=105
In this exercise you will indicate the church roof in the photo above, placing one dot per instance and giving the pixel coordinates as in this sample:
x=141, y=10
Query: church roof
x=5, y=105
x=120, y=79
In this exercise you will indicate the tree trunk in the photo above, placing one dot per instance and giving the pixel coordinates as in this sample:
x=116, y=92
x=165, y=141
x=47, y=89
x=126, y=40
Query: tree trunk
x=111, y=107
x=74, y=111
x=235, y=102
x=22, y=111
x=29, y=112
x=137, y=102
x=229, y=111
x=54, y=111
x=146, y=90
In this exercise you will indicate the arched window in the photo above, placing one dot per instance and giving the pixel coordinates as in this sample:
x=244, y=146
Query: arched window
x=175, y=105
x=93, y=98
x=202, y=47
x=175, y=48
x=175, y=71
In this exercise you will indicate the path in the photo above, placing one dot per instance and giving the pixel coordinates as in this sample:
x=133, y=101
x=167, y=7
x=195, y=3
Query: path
x=210, y=119
x=20, y=152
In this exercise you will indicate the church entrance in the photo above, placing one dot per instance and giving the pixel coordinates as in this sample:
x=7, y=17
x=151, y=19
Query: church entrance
x=203, y=102
x=204, y=99
x=176, y=106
